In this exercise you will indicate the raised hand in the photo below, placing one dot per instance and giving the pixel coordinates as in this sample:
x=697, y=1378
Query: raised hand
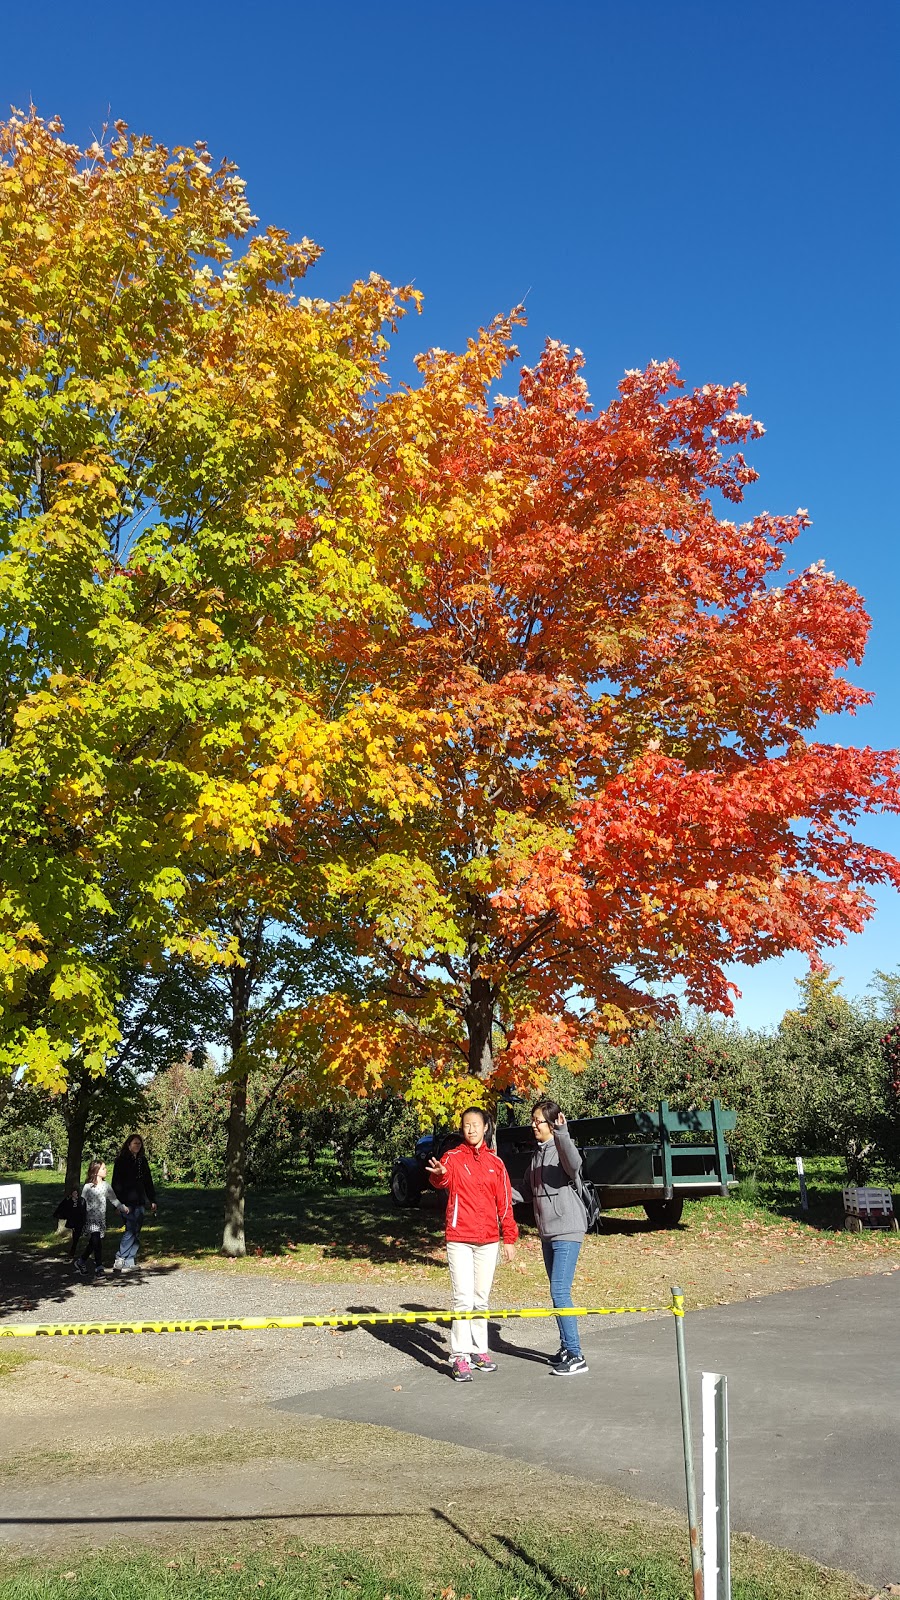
x=435, y=1168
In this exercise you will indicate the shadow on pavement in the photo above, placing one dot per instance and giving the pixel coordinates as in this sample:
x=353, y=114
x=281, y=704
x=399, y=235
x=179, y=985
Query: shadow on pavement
x=27, y=1280
x=426, y=1342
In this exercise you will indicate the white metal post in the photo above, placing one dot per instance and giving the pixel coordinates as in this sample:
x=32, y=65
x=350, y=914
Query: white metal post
x=801, y=1178
x=716, y=1519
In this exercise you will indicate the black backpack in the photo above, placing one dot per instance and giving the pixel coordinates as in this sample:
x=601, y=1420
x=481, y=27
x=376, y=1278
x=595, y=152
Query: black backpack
x=591, y=1202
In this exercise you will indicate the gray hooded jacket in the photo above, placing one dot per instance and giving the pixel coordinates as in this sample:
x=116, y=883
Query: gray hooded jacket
x=559, y=1210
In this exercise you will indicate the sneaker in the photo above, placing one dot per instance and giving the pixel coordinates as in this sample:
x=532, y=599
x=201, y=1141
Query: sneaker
x=118, y=1264
x=483, y=1364
x=79, y=1267
x=99, y=1272
x=552, y=1360
x=460, y=1371
x=129, y=1266
x=568, y=1366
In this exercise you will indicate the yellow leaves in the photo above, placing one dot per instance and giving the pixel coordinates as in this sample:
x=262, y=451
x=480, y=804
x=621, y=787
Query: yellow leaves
x=80, y=472
x=36, y=709
x=21, y=948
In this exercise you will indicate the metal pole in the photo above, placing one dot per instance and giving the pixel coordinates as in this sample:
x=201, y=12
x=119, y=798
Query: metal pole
x=688, y=1442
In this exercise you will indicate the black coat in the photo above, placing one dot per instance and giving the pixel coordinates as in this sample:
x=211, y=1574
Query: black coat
x=71, y=1212
x=132, y=1182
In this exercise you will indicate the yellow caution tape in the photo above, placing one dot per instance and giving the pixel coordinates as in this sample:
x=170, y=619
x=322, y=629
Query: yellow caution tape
x=339, y=1319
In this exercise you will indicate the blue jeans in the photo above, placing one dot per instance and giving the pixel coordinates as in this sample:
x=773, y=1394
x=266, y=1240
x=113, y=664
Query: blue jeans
x=128, y=1249
x=560, y=1258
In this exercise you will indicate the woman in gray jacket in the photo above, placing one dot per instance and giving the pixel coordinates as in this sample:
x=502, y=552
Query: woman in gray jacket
x=561, y=1218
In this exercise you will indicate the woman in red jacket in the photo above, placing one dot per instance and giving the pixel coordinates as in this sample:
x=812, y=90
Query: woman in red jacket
x=479, y=1215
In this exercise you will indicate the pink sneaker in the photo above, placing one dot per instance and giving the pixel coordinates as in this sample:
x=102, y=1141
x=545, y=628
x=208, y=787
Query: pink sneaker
x=484, y=1364
x=460, y=1371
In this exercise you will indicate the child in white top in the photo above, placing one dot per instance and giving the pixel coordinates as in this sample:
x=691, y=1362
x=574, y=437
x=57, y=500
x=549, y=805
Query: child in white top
x=97, y=1195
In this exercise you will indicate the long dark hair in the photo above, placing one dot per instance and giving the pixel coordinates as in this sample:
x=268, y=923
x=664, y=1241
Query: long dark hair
x=93, y=1170
x=125, y=1153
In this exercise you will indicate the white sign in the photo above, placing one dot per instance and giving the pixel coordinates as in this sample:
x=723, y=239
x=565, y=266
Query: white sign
x=10, y=1206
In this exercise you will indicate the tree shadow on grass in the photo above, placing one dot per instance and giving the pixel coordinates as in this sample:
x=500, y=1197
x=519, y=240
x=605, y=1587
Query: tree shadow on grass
x=344, y=1225
x=634, y=1227
x=519, y=1561
x=92, y=1519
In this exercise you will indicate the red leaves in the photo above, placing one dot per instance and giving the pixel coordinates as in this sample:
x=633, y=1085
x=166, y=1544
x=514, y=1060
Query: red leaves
x=626, y=796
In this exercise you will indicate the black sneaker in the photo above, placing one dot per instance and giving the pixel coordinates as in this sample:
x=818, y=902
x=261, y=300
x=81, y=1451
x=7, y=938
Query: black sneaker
x=78, y=1267
x=553, y=1360
x=568, y=1366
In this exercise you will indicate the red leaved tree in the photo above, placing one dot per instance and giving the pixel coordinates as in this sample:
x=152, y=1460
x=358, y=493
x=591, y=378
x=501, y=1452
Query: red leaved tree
x=629, y=793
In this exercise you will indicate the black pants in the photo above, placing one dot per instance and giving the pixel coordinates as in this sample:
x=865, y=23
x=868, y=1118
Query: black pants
x=93, y=1242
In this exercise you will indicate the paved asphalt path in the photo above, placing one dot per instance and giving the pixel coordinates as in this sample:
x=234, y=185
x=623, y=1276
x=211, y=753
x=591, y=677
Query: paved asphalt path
x=814, y=1401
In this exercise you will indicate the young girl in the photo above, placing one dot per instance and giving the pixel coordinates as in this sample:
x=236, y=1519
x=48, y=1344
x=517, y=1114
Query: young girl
x=479, y=1214
x=561, y=1218
x=96, y=1195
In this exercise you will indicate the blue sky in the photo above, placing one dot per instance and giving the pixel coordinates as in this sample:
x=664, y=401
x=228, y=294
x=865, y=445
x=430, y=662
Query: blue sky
x=712, y=183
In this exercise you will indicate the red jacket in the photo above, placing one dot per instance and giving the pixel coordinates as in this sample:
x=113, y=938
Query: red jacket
x=479, y=1198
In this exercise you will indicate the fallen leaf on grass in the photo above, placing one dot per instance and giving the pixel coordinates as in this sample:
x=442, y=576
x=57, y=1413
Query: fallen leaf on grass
x=397, y=1387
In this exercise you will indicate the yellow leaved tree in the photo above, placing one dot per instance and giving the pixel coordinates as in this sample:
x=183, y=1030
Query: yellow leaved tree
x=187, y=512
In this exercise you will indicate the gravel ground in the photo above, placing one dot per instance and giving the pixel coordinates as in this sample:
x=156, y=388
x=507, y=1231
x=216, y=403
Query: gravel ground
x=252, y=1367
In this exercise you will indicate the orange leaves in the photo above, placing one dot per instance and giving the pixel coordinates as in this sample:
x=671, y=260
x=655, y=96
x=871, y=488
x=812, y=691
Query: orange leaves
x=624, y=796
x=534, y=1043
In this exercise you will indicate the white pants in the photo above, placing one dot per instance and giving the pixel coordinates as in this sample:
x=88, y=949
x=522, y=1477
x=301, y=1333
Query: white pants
x=472, y=1268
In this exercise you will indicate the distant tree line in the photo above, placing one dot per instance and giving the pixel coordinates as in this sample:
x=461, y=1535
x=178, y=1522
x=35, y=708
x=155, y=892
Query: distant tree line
x=825, y=1082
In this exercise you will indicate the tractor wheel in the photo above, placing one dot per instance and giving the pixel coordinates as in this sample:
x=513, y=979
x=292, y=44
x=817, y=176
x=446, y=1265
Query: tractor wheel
x=403, y=1190
x=665, y=1213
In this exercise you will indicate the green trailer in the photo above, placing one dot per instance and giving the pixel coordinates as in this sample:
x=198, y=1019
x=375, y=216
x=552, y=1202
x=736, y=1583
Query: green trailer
x=655, y=1159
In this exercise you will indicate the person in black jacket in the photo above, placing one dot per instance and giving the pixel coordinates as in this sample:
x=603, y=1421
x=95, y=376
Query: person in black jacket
x=72, y=1211
x=132, y=1184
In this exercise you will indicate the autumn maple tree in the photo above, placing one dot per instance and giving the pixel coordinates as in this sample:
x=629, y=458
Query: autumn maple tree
x=631, y=792
x=183, y=507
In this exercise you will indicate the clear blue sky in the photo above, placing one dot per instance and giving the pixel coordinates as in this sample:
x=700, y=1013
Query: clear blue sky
x=714, y=183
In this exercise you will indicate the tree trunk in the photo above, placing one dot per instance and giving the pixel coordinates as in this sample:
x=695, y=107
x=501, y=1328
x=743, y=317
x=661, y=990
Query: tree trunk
x=480, y=1027
x=233, y=1241
x=75, y=1118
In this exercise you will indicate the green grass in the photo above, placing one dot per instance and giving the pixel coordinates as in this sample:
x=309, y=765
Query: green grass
x=10, y=1360
x=528, y=1562
x=314, y=1222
